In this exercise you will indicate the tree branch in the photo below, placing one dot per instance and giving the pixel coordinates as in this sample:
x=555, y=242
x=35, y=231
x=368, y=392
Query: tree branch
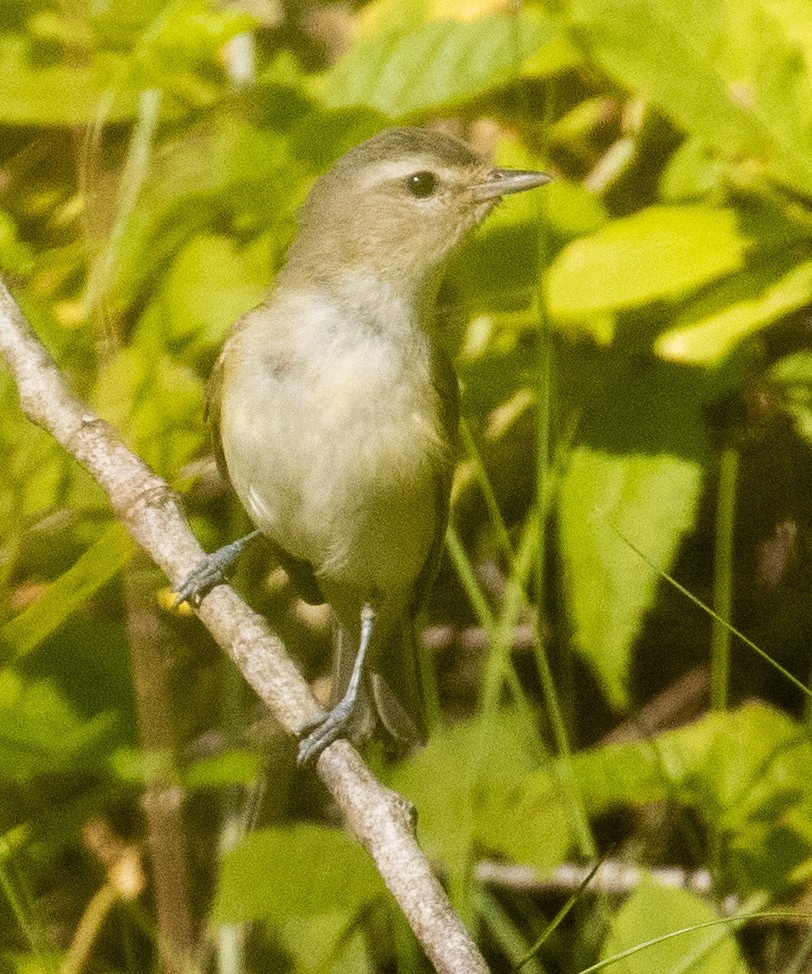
x=382, y=820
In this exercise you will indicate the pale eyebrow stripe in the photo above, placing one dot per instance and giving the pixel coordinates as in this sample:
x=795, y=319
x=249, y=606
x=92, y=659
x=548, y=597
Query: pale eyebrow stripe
x=393, y=169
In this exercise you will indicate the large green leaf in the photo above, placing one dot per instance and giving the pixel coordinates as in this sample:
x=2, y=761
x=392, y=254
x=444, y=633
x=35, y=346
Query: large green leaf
x=295, y=872
x=467, y=785
x=736, y=75
x=636, y=475
x=744, y=772
x=435, y=65
x=730, y=766
x=653, y=911
x=658, y=253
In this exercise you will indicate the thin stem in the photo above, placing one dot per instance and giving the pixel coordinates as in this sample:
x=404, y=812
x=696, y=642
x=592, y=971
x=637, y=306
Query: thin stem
x=487, y=492
x=723, y=577
x=544, y=492
x=162, y=797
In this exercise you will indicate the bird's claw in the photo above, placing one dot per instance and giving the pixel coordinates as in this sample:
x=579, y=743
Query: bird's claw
x=200, y=580
x=323, y=730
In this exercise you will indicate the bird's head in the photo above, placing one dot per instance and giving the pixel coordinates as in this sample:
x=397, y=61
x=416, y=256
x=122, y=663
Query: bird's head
x=398, y=204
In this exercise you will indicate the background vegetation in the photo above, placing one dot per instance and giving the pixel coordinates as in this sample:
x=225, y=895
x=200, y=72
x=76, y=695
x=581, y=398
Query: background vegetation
x=634, y=347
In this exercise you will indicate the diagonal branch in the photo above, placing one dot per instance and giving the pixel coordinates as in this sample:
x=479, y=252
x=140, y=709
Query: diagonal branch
x=382, y=820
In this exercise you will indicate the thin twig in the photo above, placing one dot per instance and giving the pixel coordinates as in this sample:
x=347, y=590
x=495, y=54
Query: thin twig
x=382, y=820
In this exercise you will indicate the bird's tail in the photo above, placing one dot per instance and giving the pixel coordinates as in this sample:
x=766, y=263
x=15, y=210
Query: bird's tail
x=391, y=692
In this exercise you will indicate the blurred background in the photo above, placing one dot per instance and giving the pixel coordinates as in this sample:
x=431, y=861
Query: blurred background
x=633, y=345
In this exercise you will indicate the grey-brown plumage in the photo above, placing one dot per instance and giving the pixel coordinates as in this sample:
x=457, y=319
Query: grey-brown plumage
x=335, y=410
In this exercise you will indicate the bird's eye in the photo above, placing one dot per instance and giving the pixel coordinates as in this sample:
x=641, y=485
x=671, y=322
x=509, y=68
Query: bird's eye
x=421, y=184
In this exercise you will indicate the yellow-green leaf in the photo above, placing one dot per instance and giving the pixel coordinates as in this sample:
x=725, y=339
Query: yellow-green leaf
x=656, y=254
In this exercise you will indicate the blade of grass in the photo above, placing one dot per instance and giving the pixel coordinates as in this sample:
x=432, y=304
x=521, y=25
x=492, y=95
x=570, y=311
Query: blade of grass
x=93, y=569
x=504, y=932
x=487, y=492
x=706, y=608
x=30, y=926
x=565, y=909
x=736, y=920
x=499, y=631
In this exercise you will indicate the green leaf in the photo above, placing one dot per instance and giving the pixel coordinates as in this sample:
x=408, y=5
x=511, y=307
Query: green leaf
x=69, y=592
x=711, y=328
x=193, y=31
x=40, y=734
x=156, y=402
x=636, y=473
x=323, y=944
x=224, y=168
x=295, y=872
x=692, y=171
x=737, y=77
x=656, y=254
x=732, y=767
x=236, y=767
x=14, y=255
x=654, y=910
x=791, y=377
x=212, y=282
x=743, y=772
x=36, y=91
x=466, y=784
x=435, y=65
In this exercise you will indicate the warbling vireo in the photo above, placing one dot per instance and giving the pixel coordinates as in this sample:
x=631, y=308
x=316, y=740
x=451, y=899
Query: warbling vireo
x=335, y=410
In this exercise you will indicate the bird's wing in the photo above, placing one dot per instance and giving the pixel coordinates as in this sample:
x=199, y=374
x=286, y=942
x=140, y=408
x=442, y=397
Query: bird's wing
x=300, y=572
x=394, y=677
x=212, y=413
x=448, y=390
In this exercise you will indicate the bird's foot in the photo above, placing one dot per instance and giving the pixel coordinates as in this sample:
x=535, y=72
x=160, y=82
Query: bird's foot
x=326, y=728
x=323, y=730
x=211, y=571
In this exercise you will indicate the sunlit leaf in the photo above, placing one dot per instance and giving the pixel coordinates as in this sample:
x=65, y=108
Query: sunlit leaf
x=437, y=64
x=653, y=910
x=656, y=254
x=211, y=283
x=302, y=871
x=710, y=329
x=791, y=377
x=37, y=91
x=744, y=772
x=736, y=76
x=234, y=767
x=457, y=809
x=636, y=474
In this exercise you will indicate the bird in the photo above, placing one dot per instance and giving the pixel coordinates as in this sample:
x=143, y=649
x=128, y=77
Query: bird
x=335, y=411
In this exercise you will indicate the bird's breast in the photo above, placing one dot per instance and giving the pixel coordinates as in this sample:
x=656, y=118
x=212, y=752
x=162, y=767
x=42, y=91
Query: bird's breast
x=334, y=442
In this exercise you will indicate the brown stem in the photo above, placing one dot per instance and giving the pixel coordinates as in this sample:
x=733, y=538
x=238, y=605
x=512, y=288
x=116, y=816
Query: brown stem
x=163, y=796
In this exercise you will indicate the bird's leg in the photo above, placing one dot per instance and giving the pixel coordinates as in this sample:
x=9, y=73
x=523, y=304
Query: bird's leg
x=326, y=728
x=211, y=571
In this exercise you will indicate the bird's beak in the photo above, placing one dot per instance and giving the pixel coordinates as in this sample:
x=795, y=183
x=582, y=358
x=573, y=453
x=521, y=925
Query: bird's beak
x=501, y=182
